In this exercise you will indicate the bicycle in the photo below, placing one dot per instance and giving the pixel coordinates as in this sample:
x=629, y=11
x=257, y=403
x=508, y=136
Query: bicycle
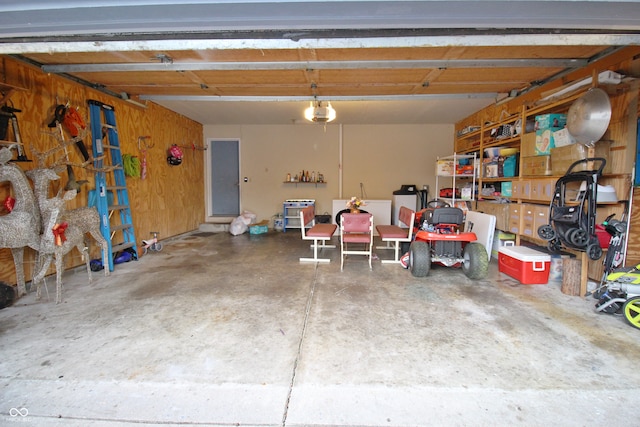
x=152, y=244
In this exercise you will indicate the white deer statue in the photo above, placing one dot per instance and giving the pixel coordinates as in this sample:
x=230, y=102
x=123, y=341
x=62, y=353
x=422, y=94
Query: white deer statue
x=87, y=219
x=53, y=244
x=21, y=227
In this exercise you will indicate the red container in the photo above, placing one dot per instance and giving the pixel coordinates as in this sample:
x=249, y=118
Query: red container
x=603, y=236
x=524, y=264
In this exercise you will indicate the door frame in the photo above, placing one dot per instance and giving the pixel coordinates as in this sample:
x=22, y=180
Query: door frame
x=209, y=218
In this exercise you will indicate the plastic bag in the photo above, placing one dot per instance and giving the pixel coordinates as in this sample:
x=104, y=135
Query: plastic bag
x=238, y=226
x=241, y=224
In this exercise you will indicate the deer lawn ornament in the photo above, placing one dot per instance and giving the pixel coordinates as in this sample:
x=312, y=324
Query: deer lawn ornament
x=86, y=218
x=57, y=245
x=21, y=227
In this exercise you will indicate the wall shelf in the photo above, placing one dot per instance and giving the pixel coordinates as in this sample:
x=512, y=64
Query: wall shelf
x=304, y=183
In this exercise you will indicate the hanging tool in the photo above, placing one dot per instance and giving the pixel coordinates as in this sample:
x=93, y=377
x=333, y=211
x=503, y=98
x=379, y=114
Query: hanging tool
x=143, y=162
x=73, y=122
x=9, y=112
x=72, y=183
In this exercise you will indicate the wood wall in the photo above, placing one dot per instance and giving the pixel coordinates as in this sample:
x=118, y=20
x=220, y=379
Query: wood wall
x=170, y=200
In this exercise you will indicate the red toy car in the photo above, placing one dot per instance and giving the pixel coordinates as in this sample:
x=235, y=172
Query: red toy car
x=440, y=240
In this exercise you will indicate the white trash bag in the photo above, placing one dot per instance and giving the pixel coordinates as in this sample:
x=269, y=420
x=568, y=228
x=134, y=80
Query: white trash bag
x=241, y=224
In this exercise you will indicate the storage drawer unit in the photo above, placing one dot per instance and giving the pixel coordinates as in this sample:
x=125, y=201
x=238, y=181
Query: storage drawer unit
x=291, y=208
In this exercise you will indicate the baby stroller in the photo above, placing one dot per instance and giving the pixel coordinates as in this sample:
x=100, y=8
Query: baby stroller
x=615, y=254
x=572, y=220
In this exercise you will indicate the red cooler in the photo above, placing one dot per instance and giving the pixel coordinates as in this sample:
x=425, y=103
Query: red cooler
x=525, y=264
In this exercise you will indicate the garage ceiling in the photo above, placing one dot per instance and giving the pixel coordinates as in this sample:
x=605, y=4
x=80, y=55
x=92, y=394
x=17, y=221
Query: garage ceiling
x=245, y=62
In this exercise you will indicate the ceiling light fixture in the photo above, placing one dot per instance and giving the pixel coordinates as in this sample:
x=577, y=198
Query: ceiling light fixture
x=318, y=112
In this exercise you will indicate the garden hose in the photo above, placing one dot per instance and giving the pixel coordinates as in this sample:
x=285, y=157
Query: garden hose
x=131, y=165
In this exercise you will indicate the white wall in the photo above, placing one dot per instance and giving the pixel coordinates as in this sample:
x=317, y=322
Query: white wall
x=381, y=157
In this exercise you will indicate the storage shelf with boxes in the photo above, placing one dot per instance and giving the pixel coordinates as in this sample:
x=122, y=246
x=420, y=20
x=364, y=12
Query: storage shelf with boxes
x=544, y=151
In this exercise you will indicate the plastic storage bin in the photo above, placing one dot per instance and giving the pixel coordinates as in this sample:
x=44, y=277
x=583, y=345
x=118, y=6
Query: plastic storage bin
x=528, y=266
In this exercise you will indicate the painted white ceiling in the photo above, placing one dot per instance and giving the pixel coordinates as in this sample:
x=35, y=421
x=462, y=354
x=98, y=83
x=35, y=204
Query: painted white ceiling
x=351, y=112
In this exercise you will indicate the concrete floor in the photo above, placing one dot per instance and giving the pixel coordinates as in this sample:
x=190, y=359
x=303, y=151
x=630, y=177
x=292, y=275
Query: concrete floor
x=225, y=330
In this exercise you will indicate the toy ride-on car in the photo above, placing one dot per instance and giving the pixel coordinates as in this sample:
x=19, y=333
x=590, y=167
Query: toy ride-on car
x=441, y=241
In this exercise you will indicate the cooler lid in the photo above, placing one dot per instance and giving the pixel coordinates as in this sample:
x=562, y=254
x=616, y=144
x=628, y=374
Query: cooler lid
x=524, y=253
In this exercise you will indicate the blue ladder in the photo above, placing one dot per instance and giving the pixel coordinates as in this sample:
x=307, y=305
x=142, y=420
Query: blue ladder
x=110, y=182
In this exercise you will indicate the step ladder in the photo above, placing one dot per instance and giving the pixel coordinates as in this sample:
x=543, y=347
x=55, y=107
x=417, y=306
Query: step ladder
x=112, y=198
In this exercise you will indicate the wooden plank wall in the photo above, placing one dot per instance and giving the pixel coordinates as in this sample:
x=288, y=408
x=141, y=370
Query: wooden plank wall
x=633, y=245
x=170, y=200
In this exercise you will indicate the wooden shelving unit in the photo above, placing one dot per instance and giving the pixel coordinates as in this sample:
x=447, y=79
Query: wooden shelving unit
x=531, y=195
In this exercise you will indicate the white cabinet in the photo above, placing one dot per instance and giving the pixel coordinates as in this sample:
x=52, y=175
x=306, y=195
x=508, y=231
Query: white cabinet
x=458, y=172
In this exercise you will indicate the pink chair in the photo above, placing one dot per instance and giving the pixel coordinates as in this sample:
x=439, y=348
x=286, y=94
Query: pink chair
x=396, y=234
x=356, y=229
x=319, y=233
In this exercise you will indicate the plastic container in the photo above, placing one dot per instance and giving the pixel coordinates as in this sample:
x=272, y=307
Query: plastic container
x=603, y=237
x=492, y=152
x=509, y=166
x=278, y=222
x=528, y=266
x=509, y=151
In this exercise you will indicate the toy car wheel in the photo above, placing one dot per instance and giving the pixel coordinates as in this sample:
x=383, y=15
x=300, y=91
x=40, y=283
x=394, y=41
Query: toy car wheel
x=475, y=264
x=594, y=251
x=578, y=237
x=631, y=310
x=419, y=259
x=546, y=232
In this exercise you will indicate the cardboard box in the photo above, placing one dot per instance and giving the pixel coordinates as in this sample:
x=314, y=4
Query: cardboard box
x=528, y=144
x=506, y=189
x=259, y=227
x=514, y=218
x=545, y=121
x=527, y=228
x=490, y=168
x=555, y=269
x=544, y=141
x=528, y=266
x=563, y=157
x=562, y=138
x=499, y=210
x=543, y=189
x=536, y=166
x=466, y=193
x=445, y=167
